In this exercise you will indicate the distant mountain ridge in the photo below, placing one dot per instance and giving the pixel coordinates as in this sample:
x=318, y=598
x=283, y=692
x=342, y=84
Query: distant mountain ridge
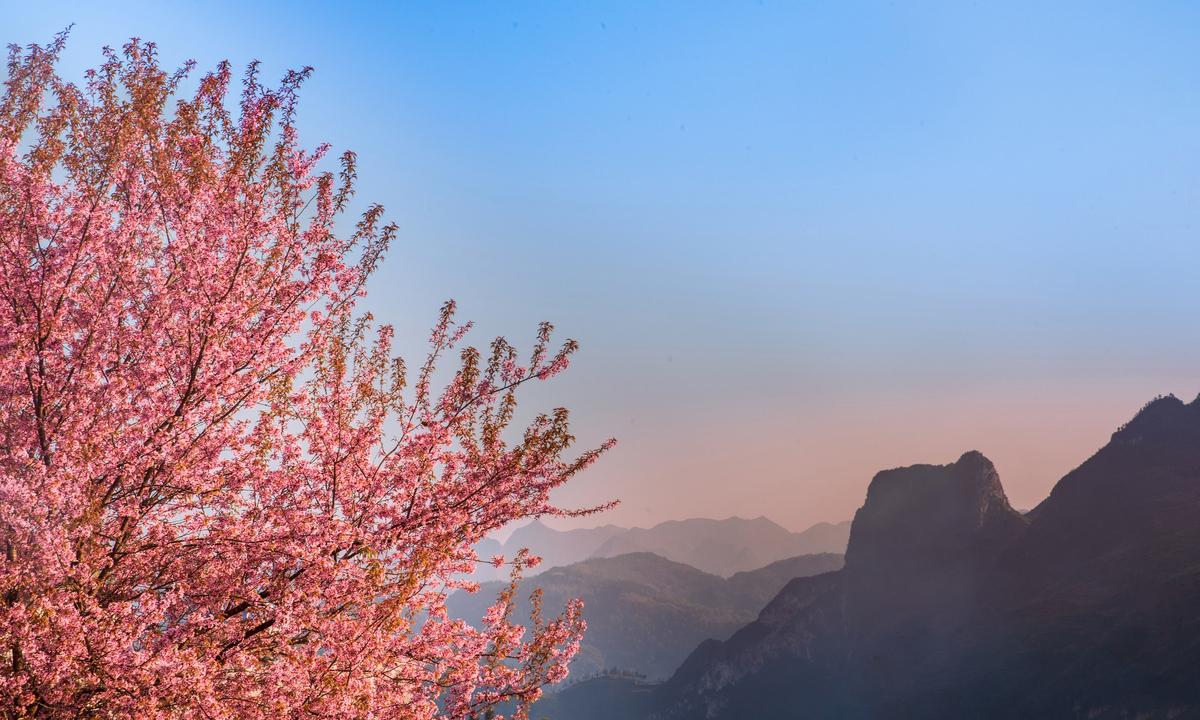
x=953, y=605
x=646, y=613
x=556, y=548
x=718, y=547
x=725, y=547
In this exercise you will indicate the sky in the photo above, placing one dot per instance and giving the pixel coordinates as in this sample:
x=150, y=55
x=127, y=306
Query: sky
x=798, y=242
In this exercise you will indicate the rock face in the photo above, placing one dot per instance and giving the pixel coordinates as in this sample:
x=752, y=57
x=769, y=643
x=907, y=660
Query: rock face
x=920, y=551
x=924, y=542
x=931, y=519
x=953, y=605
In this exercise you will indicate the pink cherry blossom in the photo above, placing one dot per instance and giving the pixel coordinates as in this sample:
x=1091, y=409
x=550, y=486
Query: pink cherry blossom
x=221, y=495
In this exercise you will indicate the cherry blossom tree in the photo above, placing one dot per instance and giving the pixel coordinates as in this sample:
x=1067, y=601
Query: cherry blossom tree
x=220, y=494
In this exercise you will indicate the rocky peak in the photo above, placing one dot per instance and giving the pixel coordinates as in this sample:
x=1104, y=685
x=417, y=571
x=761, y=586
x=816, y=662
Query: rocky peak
x=1137, y=497
x=1163, y=419
x=931, y=516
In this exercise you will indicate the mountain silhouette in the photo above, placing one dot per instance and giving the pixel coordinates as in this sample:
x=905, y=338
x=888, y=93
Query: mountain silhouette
x=953, y=605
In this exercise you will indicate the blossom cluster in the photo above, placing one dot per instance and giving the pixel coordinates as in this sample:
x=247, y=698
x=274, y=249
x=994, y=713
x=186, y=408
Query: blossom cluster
x=221, y=495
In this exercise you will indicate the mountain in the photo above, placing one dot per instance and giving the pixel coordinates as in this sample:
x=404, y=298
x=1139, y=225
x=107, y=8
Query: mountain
x=923, y=544
x=724, y=547
x=645, y=613
x=1104, y=589
x=920, y=552
x=953, y=605
x=555, y=547
x=718, y=547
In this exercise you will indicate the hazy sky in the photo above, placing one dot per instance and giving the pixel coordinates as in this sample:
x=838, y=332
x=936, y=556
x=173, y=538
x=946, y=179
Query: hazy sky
x=799, y=242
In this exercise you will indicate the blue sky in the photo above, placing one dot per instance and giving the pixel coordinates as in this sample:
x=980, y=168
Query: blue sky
x=799, y=242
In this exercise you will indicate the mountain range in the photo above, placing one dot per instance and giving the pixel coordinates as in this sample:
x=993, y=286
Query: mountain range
x=953, y=605
x=717, y=547
x=645, y=613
